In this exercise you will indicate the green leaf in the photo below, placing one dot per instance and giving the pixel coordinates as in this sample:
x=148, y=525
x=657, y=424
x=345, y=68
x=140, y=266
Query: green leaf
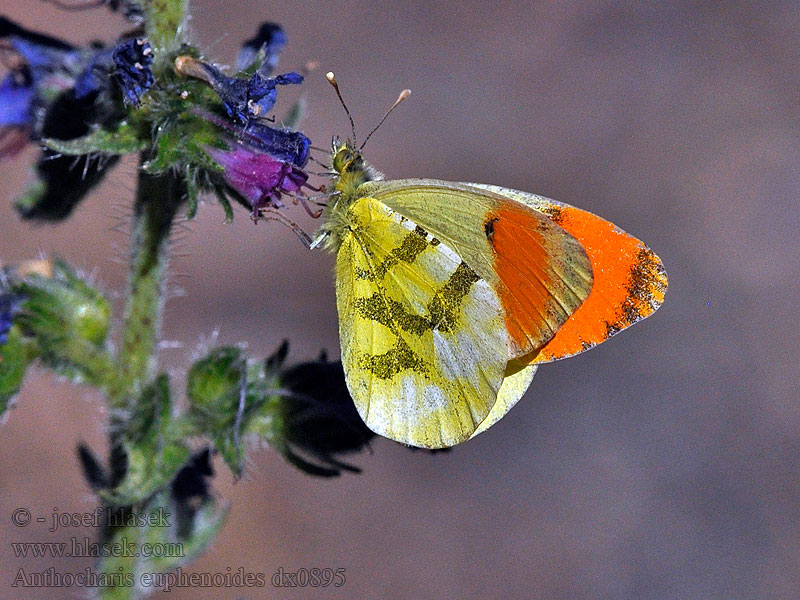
x=160, y=523
x=232, y=450
x=181, y=541
x=122, y=141
x=183, y=137
x=120, y=571
x=193, y=198
x=226, y=205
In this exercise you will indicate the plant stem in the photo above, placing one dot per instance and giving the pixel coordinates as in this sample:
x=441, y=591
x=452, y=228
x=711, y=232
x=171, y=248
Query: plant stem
x=157, y=200
x=164, y=19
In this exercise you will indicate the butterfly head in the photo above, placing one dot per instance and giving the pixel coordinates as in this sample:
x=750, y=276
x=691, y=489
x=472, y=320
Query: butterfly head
x=346, y=159
x=349, y=168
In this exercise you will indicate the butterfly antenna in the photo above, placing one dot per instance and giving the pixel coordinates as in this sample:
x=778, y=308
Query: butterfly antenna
x=71, y=6
x=403, y=95
x=332, y=80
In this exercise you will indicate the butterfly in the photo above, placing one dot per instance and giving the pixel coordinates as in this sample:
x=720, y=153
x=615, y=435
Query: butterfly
x=451, y=294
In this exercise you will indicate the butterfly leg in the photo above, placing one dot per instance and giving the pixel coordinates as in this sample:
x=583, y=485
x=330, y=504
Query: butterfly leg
x=272, y=214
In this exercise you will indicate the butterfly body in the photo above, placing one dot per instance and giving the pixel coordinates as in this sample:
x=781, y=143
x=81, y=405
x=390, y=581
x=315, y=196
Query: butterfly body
x=449, y=295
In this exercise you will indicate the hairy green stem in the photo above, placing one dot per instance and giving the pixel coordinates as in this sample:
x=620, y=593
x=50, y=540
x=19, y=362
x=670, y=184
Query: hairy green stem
x=157, y=200
x=164, y=21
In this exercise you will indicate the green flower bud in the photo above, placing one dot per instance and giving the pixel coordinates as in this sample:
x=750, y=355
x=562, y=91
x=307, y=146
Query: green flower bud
x=153, y=448
x=62, y=311
x=214, y=386
x=220, y=403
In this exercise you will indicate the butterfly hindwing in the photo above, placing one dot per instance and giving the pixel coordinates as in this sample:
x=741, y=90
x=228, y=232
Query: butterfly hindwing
x=629, y=279
x=424, y=345
x=518, y=377
x=539, y=271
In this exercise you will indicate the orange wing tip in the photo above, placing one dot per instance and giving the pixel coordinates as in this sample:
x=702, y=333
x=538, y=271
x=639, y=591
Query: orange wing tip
x=630, y=283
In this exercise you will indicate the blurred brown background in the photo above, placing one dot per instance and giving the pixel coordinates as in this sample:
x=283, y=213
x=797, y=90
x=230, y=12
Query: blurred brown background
x=663, y=464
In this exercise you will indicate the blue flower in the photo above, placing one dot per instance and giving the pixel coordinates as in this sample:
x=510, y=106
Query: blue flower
x=47, y=69
x=288, y=146
x=127, y=65
x=59, y=91
x=51, y=63
x=132, y=60
x=93, y=79
x=270, y=40
x=51, y=67
x=9, y=305
x=244, y=99
x=16, y=99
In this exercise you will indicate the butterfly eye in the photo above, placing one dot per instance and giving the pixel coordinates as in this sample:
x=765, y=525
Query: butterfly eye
x=347, y=159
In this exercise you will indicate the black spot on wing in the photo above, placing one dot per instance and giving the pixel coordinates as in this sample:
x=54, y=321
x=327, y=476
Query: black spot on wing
x=488, y=228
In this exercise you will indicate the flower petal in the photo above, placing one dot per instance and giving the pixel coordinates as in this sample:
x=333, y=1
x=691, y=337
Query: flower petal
x=16, y=99
x=270, y=39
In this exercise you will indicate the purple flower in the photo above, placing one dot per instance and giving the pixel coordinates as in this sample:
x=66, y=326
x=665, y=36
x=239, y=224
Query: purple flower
x=261, y=163
x=258, y=163
x=258, y=177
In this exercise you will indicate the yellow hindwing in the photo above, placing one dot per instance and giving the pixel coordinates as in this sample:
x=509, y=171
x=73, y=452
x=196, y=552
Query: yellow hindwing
x=424, y=344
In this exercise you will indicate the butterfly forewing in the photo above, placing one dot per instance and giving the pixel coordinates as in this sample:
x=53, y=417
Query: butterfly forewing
x=424, y=344
x=629, y=279
x=539, y=271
